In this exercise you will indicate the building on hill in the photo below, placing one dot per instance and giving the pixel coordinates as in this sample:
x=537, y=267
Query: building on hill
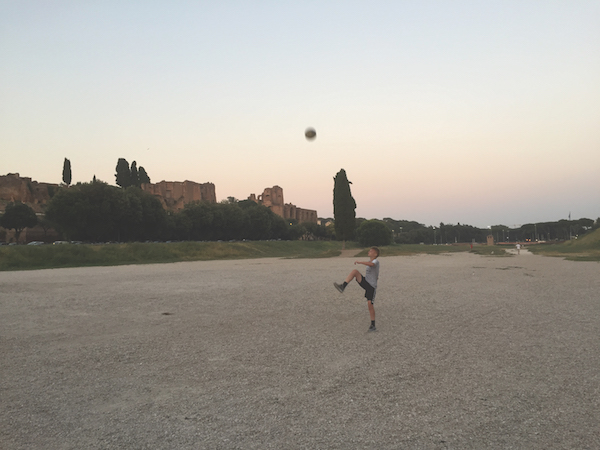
x=174, y=195
x=14, y=188
x=272, y=198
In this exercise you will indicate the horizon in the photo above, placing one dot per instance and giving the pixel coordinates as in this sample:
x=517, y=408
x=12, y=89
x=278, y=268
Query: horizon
x=469, y=113
x=330, y=217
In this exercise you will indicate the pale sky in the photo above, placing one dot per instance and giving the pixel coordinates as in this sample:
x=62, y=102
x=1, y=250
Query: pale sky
x=476, y=112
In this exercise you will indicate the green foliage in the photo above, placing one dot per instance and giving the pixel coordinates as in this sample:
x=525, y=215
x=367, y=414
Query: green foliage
x=86, y=211
x=18, y=216
x=45, y=224
x=97, y=212
x=198, y=219
x=374, y=232
x=148, y=219
x=297, y=231
x=127, y=176
x=202, y=221
x=123, y=175
x=344, y=207
x=143, y=176
x=66, y=174
x=134, y=176
x=24, y=257
x=586, y=248
x=406, y=232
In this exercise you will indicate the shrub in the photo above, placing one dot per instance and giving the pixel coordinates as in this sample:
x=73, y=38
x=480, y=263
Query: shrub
x=374, y=232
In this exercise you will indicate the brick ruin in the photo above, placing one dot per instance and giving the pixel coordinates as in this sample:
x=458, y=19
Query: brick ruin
x=14, y=188
x=272, y=198
x=174, y=195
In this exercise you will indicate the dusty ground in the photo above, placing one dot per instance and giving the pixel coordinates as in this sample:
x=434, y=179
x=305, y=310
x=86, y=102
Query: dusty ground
x=471, y=352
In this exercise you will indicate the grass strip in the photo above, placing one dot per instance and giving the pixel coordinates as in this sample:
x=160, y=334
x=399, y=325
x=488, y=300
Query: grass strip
x=24, y=257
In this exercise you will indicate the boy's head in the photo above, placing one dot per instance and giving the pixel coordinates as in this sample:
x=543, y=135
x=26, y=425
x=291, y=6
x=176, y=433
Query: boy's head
x=375, y=251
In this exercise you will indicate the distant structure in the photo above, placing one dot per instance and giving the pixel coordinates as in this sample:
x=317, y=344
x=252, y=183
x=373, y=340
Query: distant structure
x=272, y=198
x=174, y=195
x=14, y=188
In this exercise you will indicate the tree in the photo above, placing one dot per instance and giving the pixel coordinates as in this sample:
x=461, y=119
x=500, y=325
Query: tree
x=46, y=225
x=374, y=232
x=135, y=178
x=344, y=208
x=123, y=175
x=199, y=217
x=153, y=222
x=88, y=211
x=143, y=176
x=66, y=175
x=98, y=212
x=18, y=216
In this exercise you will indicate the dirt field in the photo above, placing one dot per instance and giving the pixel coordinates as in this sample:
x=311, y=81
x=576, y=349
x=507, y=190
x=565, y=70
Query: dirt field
x=470, y=352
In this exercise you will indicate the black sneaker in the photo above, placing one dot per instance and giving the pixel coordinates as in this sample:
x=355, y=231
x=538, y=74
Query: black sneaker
x=339, y=287
x=372, y=328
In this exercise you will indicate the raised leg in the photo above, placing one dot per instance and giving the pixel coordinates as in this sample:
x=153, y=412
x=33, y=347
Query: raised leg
x=354, y=274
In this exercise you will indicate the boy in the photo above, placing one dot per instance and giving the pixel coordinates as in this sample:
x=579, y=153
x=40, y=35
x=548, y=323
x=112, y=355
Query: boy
x=368, y=282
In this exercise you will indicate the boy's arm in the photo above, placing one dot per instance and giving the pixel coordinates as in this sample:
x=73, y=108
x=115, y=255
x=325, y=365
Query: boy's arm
x=366, y=263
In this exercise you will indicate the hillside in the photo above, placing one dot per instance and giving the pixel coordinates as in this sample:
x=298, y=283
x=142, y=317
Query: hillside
x=586, y=248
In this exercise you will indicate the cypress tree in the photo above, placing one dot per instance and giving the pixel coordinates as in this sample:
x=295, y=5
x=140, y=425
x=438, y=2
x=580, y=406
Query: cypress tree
x=123, y=175
x=143, y=176
x=18, y=216
x=135, y=179
x=344, y=208
x=66, y=175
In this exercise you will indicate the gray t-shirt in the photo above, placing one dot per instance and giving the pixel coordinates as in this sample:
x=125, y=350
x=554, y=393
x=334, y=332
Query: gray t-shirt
x=373, y=273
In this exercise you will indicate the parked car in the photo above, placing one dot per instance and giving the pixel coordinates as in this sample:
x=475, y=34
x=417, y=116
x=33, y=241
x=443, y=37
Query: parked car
x=36, y=243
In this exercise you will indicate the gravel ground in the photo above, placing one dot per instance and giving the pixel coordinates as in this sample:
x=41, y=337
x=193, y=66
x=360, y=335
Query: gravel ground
x=471, y=352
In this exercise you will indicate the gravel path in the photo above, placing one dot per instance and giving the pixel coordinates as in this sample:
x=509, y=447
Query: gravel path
x=472, y=352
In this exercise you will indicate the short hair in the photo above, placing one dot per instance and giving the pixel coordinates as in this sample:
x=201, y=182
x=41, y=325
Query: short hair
x=377, y=250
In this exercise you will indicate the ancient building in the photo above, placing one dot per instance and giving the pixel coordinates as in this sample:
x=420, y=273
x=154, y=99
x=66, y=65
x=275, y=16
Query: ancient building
x=14, y=188
x=272, y=198
x=300, y=214
x=174, y=195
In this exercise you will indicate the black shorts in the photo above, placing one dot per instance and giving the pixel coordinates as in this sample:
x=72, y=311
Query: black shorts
x=369, y=290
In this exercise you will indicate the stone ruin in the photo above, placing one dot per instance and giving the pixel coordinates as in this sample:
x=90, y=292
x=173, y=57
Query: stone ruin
x=174, y=195
x=272, y=198
x=14, y=188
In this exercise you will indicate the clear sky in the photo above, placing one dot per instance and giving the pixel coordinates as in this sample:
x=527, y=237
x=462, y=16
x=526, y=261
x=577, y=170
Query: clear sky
x=476, y=112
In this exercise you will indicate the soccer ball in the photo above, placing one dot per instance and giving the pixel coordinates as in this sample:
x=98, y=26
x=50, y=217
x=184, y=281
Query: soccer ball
x=310, y=134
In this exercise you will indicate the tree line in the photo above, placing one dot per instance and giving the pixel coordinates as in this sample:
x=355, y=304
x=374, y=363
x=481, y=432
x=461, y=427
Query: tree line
x=125, y=175
x=409, y=232
x=98, y=212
